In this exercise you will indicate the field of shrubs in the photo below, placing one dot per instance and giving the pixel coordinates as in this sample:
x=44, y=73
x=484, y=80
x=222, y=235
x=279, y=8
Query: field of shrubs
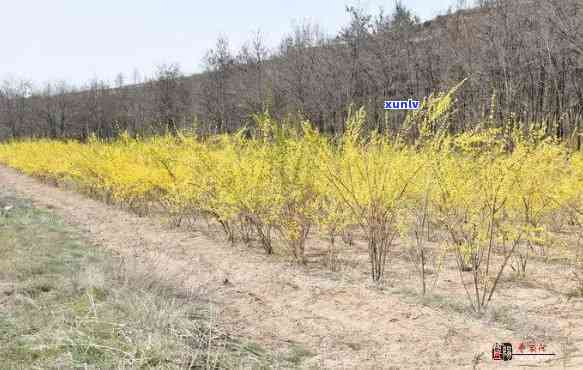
x=493, y=198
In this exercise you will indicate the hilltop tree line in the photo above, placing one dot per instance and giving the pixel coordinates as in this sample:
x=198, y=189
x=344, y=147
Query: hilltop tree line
x=523, y=61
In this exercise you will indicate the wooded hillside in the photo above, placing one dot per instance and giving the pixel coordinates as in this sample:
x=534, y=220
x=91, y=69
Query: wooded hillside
x=523, y=60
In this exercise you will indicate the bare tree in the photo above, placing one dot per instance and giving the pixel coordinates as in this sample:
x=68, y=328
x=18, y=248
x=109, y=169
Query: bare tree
x=171, y=97
x=217, y=97
x=15, y=105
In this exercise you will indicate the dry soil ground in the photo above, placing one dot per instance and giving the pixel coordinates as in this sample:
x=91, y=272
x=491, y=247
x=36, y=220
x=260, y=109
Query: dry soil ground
x=334, y=319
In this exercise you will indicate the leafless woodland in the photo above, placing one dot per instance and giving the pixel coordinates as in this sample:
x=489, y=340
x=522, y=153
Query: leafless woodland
x=523, y=60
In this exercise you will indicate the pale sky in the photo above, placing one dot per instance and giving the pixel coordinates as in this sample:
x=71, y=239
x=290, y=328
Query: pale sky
x=77, y=40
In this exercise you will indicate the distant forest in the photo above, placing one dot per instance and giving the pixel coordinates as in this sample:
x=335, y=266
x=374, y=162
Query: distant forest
x=523, y=60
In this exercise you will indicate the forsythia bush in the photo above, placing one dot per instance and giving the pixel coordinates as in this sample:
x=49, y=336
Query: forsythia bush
x=493, y=194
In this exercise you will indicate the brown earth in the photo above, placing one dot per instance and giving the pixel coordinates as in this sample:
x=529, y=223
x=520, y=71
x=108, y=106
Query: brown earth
x=333, y=319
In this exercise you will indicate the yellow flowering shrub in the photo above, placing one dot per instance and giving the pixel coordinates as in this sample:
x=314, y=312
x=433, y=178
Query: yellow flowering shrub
x=492, y=194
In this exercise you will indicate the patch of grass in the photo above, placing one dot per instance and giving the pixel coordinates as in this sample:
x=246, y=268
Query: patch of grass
x=66, y=304
x=253, y=348
x=432, y=300
x=509, y=317
x=297, y=354
x=445, y=302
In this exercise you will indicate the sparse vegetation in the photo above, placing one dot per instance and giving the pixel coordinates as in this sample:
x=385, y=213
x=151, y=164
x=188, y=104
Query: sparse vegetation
x=66, y=304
